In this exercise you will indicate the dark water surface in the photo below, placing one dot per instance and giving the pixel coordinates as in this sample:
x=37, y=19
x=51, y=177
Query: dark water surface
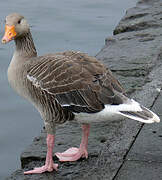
x=56, y=26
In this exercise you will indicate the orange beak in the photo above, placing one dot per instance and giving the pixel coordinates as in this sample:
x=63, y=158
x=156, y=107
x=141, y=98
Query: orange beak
x=9, y=34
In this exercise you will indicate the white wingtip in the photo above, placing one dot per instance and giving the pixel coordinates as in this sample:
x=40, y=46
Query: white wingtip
x=155, y=117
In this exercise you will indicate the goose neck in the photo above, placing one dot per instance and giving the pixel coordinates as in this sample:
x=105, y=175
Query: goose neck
x=25, y=46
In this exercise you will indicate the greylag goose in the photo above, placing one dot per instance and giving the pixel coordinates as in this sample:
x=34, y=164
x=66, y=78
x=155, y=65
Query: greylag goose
x=66, y=86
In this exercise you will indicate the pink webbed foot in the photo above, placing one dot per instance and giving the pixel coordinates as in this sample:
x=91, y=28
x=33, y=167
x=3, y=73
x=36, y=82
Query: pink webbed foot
x=72, y=154
x=49, y=165
x=45, y=168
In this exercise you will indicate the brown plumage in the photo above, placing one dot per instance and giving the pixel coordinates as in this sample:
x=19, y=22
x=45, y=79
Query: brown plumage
x=77, y=81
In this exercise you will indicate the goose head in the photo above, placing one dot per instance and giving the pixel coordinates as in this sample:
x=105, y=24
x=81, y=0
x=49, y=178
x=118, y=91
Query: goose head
x=15, y=26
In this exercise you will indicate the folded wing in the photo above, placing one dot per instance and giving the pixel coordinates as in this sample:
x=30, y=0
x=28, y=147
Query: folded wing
x=78, y=82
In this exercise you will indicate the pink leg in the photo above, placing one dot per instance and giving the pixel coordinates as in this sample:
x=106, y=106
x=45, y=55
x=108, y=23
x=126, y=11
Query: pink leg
x=73, y=154
x=49, y=165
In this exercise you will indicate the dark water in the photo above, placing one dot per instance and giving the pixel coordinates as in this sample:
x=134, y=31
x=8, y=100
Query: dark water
x=56, y=26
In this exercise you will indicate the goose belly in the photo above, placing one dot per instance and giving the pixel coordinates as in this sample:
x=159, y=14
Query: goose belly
x=105, y=115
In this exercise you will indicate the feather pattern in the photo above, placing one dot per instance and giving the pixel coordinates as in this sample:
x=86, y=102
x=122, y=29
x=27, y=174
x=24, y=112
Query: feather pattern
x=79, y=82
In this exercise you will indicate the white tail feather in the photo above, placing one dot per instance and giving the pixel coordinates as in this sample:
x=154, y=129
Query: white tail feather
x=152, y=119
x=130, y=109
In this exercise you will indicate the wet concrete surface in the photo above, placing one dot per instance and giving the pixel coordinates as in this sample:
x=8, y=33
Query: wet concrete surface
x=125, y=149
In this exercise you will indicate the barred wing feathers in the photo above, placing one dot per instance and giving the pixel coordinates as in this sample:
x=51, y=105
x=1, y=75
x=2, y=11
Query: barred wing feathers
x=78, y=82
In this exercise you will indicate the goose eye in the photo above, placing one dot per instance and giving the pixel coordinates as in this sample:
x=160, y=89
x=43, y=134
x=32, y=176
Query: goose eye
x=19, y=21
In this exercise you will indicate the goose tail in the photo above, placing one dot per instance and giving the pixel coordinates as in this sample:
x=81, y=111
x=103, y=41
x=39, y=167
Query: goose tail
x=139, y=113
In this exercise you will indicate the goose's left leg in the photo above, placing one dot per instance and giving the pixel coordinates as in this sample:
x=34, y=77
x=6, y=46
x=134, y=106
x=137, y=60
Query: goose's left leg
x=73, y=154
x=49, y=164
